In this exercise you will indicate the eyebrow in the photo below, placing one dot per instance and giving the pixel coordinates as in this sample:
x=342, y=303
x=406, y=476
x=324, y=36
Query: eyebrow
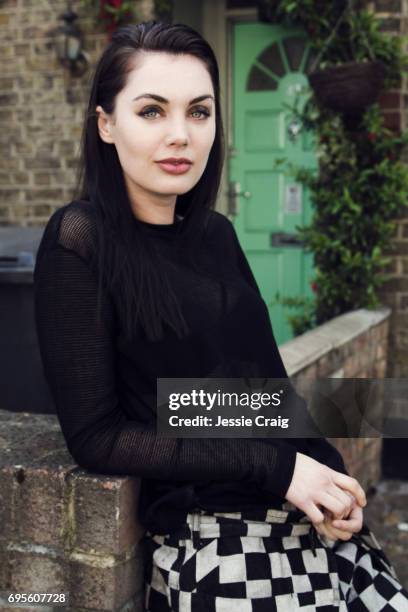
x=164, y=101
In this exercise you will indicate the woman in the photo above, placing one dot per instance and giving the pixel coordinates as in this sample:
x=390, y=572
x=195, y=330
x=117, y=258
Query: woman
x=139, y=278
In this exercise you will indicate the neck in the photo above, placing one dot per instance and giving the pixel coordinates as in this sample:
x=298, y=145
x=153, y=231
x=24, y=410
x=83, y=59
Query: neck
x=152, y=208
x=163, y=217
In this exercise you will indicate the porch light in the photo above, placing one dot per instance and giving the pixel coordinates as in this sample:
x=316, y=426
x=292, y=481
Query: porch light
x=68, y=42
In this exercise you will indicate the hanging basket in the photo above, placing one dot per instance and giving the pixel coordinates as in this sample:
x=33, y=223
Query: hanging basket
x=350, y=87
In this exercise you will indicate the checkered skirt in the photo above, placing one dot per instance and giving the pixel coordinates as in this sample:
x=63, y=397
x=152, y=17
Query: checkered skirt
x=265, y=561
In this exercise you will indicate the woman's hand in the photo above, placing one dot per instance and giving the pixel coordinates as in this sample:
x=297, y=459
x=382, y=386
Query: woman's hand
x=341, y=529
x=315, y=484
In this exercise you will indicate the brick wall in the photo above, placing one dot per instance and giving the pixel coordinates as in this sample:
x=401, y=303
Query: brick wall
x=354, y=345
x=395, y=291
x=41, y=107
x=64, y=530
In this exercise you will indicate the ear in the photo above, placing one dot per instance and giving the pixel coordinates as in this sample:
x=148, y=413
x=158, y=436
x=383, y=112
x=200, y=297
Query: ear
x=104, y=125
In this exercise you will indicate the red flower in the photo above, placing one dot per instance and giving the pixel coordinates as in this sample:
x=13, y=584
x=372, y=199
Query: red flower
x=313, y=286
x=107, y=16
x=113, y=3
x=372, y=136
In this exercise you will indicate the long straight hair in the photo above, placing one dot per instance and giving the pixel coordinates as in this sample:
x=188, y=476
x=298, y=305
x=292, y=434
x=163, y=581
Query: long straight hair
x=127, y=263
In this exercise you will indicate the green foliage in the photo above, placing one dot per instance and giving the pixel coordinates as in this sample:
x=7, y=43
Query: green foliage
x=357, y=37
x=362, y=184
x=305, y=319
x=361, y=188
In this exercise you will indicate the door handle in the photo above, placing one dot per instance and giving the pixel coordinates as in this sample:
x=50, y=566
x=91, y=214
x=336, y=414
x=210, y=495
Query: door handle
x=233, y=193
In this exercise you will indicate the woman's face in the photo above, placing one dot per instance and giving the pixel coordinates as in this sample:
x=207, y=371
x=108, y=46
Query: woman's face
x=145, y=130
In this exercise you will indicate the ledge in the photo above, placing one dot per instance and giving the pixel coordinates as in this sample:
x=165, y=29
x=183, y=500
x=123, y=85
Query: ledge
x=305, y=350
x=64, y=529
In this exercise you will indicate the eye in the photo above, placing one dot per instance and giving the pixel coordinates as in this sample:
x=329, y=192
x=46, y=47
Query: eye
x=147, y=111
x=203, y=111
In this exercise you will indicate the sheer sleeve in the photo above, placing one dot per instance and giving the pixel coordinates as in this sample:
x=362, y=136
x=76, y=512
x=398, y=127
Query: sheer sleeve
x=78, y=355
x=320, y=448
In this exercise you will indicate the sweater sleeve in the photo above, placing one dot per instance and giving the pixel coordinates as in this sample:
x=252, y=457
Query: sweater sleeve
x=320, y=448
x=79, y=358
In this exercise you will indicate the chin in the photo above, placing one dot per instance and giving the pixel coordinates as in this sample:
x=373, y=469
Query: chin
x=171, y=191
x=174, y=190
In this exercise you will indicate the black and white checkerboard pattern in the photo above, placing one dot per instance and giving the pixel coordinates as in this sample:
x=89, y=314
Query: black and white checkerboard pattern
x=266, y=562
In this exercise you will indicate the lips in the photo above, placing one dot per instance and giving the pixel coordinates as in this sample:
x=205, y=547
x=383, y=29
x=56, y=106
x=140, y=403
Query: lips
x=175, y=160
x=174, y=167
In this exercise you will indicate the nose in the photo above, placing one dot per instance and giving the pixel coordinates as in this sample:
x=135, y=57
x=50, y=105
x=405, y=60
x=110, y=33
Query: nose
x=178, y=133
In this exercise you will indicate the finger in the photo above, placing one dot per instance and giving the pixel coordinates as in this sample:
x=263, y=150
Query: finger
x=353, y=525
x=356, y=513
x=332, y=504
x=328, y=524
x=320, y=528
x=354, y=522
x=324, y=530
x=315, y=515
x=350, y=497
x=351, y=485
x=353, y=499
x=332, y=533
x=344, y=498
x=340, y=534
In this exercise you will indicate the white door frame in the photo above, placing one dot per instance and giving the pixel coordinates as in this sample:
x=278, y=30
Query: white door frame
x=217, y=28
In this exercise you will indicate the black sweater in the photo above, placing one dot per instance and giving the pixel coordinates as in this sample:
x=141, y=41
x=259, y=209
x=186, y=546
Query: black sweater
x=104, y=386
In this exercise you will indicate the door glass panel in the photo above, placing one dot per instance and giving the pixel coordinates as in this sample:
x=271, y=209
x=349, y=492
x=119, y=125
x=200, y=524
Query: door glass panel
x=259, y=81
x=272, y=59
x=294, y=48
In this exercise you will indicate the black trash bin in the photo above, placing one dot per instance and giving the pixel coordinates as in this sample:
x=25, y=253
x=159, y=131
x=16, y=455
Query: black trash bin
x=22, y=384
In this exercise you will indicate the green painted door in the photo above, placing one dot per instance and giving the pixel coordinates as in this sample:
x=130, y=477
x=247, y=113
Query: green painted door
x=265, y=204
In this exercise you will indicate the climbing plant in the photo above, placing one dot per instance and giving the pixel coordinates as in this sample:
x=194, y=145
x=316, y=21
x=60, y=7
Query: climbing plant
x=362, y=183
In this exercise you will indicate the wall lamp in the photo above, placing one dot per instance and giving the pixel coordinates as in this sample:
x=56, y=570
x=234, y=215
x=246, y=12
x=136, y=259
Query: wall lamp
x=69, y=42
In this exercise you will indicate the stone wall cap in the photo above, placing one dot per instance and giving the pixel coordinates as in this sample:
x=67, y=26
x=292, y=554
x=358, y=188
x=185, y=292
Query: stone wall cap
x=306, y=349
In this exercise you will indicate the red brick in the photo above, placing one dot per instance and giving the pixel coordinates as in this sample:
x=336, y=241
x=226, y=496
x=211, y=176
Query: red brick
x=403, y=301
x=392, y=121
x=7, y=494
x=36, y=572
x=39, y=507
x=104, y=588
x=390, y=100
x=105, y=511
